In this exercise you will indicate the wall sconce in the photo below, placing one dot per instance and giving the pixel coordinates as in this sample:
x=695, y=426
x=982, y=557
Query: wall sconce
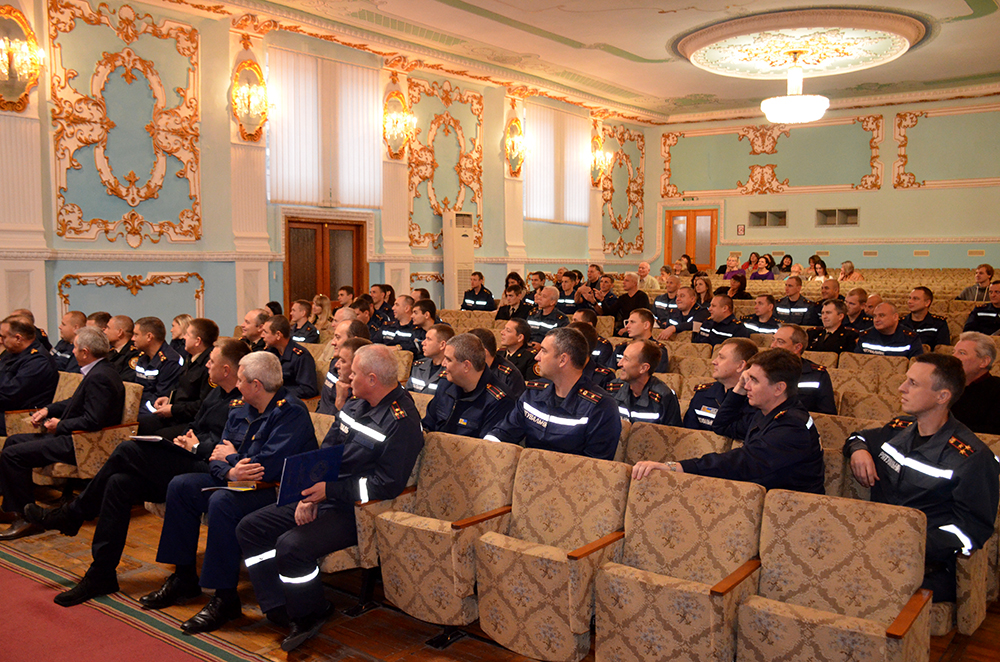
x=398, y=124
x=601, y=161
x=249, y=100
x=514, y=147
x=21, y=59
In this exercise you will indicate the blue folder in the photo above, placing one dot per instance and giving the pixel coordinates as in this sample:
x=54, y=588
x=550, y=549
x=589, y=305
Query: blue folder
x=304, y=470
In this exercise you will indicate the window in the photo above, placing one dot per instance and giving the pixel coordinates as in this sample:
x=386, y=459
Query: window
x=836, y=217
x=767, y=219
x=557, y=167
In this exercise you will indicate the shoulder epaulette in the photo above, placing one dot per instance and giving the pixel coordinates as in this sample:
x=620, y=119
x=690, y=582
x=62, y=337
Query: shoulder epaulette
x=397, y=411
x=965, y=449
x=899, y=423
x=534, y=383
x=601, y=369
x=656, y=397
x=296, y=350
x=503, y=368
x=702, y=387
x=162, y=356
x=820, y=367
x=133, y=362
x=937, y=317
x=614, y=386
x=280, y=403
x=237, y=402
x=34, y=351
x=495, y=392
x=421, y=361
x=589, y=395
x=780, y=414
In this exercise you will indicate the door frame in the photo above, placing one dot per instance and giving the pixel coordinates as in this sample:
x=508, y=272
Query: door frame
x=666, y=217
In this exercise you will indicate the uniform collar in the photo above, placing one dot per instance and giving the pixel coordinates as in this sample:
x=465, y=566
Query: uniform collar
x=933, y=448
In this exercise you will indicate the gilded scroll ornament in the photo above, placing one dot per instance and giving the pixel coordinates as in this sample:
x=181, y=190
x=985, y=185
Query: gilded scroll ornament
x=633, y=191
x=133, y=283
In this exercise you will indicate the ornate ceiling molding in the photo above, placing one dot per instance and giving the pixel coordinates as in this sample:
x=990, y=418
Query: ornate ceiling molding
x=133, y=283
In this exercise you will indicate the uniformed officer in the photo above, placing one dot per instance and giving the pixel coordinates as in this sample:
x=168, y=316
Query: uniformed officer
x=887, y=337
x=159, y=366
x=930, y=461
x=271, y=426
x=763, y=319
x=986, y=319
x=639, y=326
x=380, y=432
x=508, y=376
x=721, y=324
x=329, y=394
x=780, y=444
x=472, y=400
x=40, y=334
x=683, y=318
x=727, y=366
x=426, y=372
x=402, y=331
x=537, y=281
x=593, y=371
x=833, y=336
x=563, y=412
x=795, y=309
x=62, y=353
x=666, y=303
x=383, y=297
x=124, y=354
x=298, y=368
x=641, y=396
x=366, y=315
x=139, y=471
x=514, y=337
x=931, y=329
x=545, y=316
x=302, y=330
x=857, y=317
x=567, y=303
x=28, y=375
x=815, y=386
x=478, y=297
x=603, y=351
x=253, y=327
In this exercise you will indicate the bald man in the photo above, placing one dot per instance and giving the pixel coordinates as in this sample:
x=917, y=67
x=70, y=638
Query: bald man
x=888, y=337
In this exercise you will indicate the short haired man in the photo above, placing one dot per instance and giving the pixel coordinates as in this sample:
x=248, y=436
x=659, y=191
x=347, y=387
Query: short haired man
x=253, y=327
x=567, y=303
x=888, y=337
x=833, y=336
x=762, y=320
x=298, y=368
x=873, y=301
x=605, y=301
x=379, y=430
x=478, y=297
x=537, y=281
x=857, y=318
x=424, y=315
x=514, y=337
x=139, y=471
x=780, y=444
x=727, y=366
x=814, y=386
x=793, y=308
x=99, y=319
x=639, y=326
x=931, y=329
x=685, y=316
x=124, y=354
x=508, y=376
x=345, y=296
x=594, y=273
x=96, y=403
x=512, y=303
x=930, y=461
x=402, y=332
x=302, y=330
x=646, y=281
x=426, y=372
x=472, y=400
x=28, y=375
x=640, y=395
x=666, y=303
x=630, y=299
x=367, y=316
x=721, y=324
x=563, y=412
x=420, y=294
x=62, y=353
x=159, y=365
x=328, y=394
x=978, y=407
x=592, y=371
x=986, y=318
x=29, y=317
x=546, y=316
x=829, y=290
x=979, y=290
x=382, y=298
x=604, y=351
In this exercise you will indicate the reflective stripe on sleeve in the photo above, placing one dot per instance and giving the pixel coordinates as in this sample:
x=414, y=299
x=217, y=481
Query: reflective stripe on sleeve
x=300, y=580
x=254, y=560
x=916, y=465
x=363, y=490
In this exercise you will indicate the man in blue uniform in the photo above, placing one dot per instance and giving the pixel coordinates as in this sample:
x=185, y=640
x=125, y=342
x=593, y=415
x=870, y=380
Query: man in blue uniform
x=28, y=376
x=666, y=303
x=603, y=352
x=402, y=331
x=328, y=393
x=380, y=431
x=382, y=299
x=721, y=324
x=593, y=371
x=930, y=461
x=537, y=281
x=508, y=376
x=272, y=425
x=545, y=316
x=426, y=372
x=514, y=336
x=302, y=330
x=815, y=386
x=727, y=366
x=683, y=317
x=763, y=319
x=159, y=366
x=71, y=322
x=780, y=444
x=567, y=303
x=478, y=297
x=931, y=329
x=986, y=318
x=887, y=337
x=298, y=368
x=563, y=411
x=124, y=354
x=641, y=396
x=794, y=308
x=639, y=326
x=834, y=336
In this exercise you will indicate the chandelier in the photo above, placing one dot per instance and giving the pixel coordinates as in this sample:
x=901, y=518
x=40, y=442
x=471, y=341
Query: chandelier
x=795, y=107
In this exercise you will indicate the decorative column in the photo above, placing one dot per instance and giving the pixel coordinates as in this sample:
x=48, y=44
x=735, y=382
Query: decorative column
x=513, y=148
x=395, y=172
x=598, y=171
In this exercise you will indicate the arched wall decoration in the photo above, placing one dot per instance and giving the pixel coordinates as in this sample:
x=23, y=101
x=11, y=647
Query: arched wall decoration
x=426, y=276
x=82, y=120
x=633, y=191
x=422, y=164
x=253, y=68
x=133, y=283
x=20, y=104
x=513, y=130
x=395, y=97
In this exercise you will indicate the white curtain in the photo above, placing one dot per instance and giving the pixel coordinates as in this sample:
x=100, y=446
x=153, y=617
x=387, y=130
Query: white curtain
x=557, y=166
x=293, y=128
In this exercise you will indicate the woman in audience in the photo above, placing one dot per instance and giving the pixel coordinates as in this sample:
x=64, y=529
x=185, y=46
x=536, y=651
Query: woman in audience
x=688, y=263
x=847, y=272
x=177, y=329
x=322, y=312
x=514, y=278
x=763, y=270
x=796, y=270
x=751, y=263
x=738, y=288
x=662, y=278
x=785, y=266
x=274, y=307
x=819, y=268
x=703, y=288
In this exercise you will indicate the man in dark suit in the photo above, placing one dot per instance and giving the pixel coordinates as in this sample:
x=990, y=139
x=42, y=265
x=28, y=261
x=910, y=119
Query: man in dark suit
x=28, y=376
x=97, y=403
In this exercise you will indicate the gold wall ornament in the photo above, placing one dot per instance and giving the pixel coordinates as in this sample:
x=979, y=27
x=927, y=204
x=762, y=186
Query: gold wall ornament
x=21, y=60
x=398, y=124
x=248, y=100
x=600, y=161
x=133, y=283
x=763, y=138
x=426, y=276
x=668, y=140
x=81, y=120
x=901, y=178
x=621, y=248
x=762, y=180
x=633, y=192
x=515, y=150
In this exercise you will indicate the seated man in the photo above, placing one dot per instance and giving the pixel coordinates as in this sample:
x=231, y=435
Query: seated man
x=345, y=296
x=425, y=316
x=28, y=376
x=513, y=303
x=874, y=299
x=929, y=461
x=727, y=366
x=567, y=303
x=40, y=334
x=666, y=303
x=328, y=395
x=402, y=331
x=507, y=374
x=259, y=435
x=366, y=315
x=537, y=281
x=140, y=471
x=478, y=297
x=298, y=368
x=986, y=318
x=253, y=328
x=794, y=308
x=931, y=329
x=380, y=431
x=345, y=357
x=979, y=290
x=639, y=326
x=834, y=336
x=857, y=317
x=592, y=371
x=887, y=337
x=605, y=301
x=721, y=324
x=978, y=407
x=545, y=316
x=97, y=403
x=124, y=354
x=71, y=322
x=829, y=290
x=193, y=386
x=631, y=299
x=472, y=400
x=641, y=396
x=563, y=412
x=514, y=337
x=684, y=317
x=646, y=281
x=763, y=319
x=159, y=366
x=604, y=351
x=426, y=372
x=302, y=330
x=780, y=445
x=815, y=387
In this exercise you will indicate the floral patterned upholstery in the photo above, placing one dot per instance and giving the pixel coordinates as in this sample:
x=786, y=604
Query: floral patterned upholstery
x=68, y=381
x=969, y=611
x=421, y=400
x=322, y=424
x=683, y=535
x=404, y=362
x=992, y=546
x=692, y=367
x=873, y=364
x=674, y=380
x=321, y=352
x=828, y=359
x=662, y=443
x=533, y=598
x=835, y=573
x=687, y=349
x=879, y=406
x=623, y=440
x=833, y=432
x=850, y=380
x=428, y=568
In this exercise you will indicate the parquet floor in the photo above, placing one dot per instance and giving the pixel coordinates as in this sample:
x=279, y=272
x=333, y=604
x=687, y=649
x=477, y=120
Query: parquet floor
x=382, y=634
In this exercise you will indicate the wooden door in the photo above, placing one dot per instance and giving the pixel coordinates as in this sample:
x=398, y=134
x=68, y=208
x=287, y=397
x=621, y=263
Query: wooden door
x=692, y=232
x=323, y=256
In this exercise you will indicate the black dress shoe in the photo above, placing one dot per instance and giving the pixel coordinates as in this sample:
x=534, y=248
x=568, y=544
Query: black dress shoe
x=174, y=591
x=60, y=519
x=306, y=628
x=213, y=616
x=8, y=517
x=88, y=589
x=21, y=528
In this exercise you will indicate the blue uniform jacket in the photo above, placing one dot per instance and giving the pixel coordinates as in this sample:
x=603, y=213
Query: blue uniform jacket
x=306, y=333
x=984, y=319
x=816, y=389
x=328, y=394
x=472, y=414
x=663, y=305
x=754, y=325
x=685, y=321
x=902, y=342
x=508, y=376
x=803, y=311
x=657, y=403
x=407, y=336
x=715, y=333
x=158, y=374
x=298, y=370
x=28, y=380
x=482, y=301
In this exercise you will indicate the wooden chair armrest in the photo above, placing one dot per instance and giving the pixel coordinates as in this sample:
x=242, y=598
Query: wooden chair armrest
x=458, y=525
x=595, y=546
x=911, y=610
x=110, y=427
x=736, y=577
x=409, y=490
x=22, y=411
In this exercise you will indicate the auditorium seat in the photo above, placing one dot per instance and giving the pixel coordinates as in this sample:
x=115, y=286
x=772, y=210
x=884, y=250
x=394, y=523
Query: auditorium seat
x=666, y=443
x=879, y=406
x=826, y=359
x=872, y=364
